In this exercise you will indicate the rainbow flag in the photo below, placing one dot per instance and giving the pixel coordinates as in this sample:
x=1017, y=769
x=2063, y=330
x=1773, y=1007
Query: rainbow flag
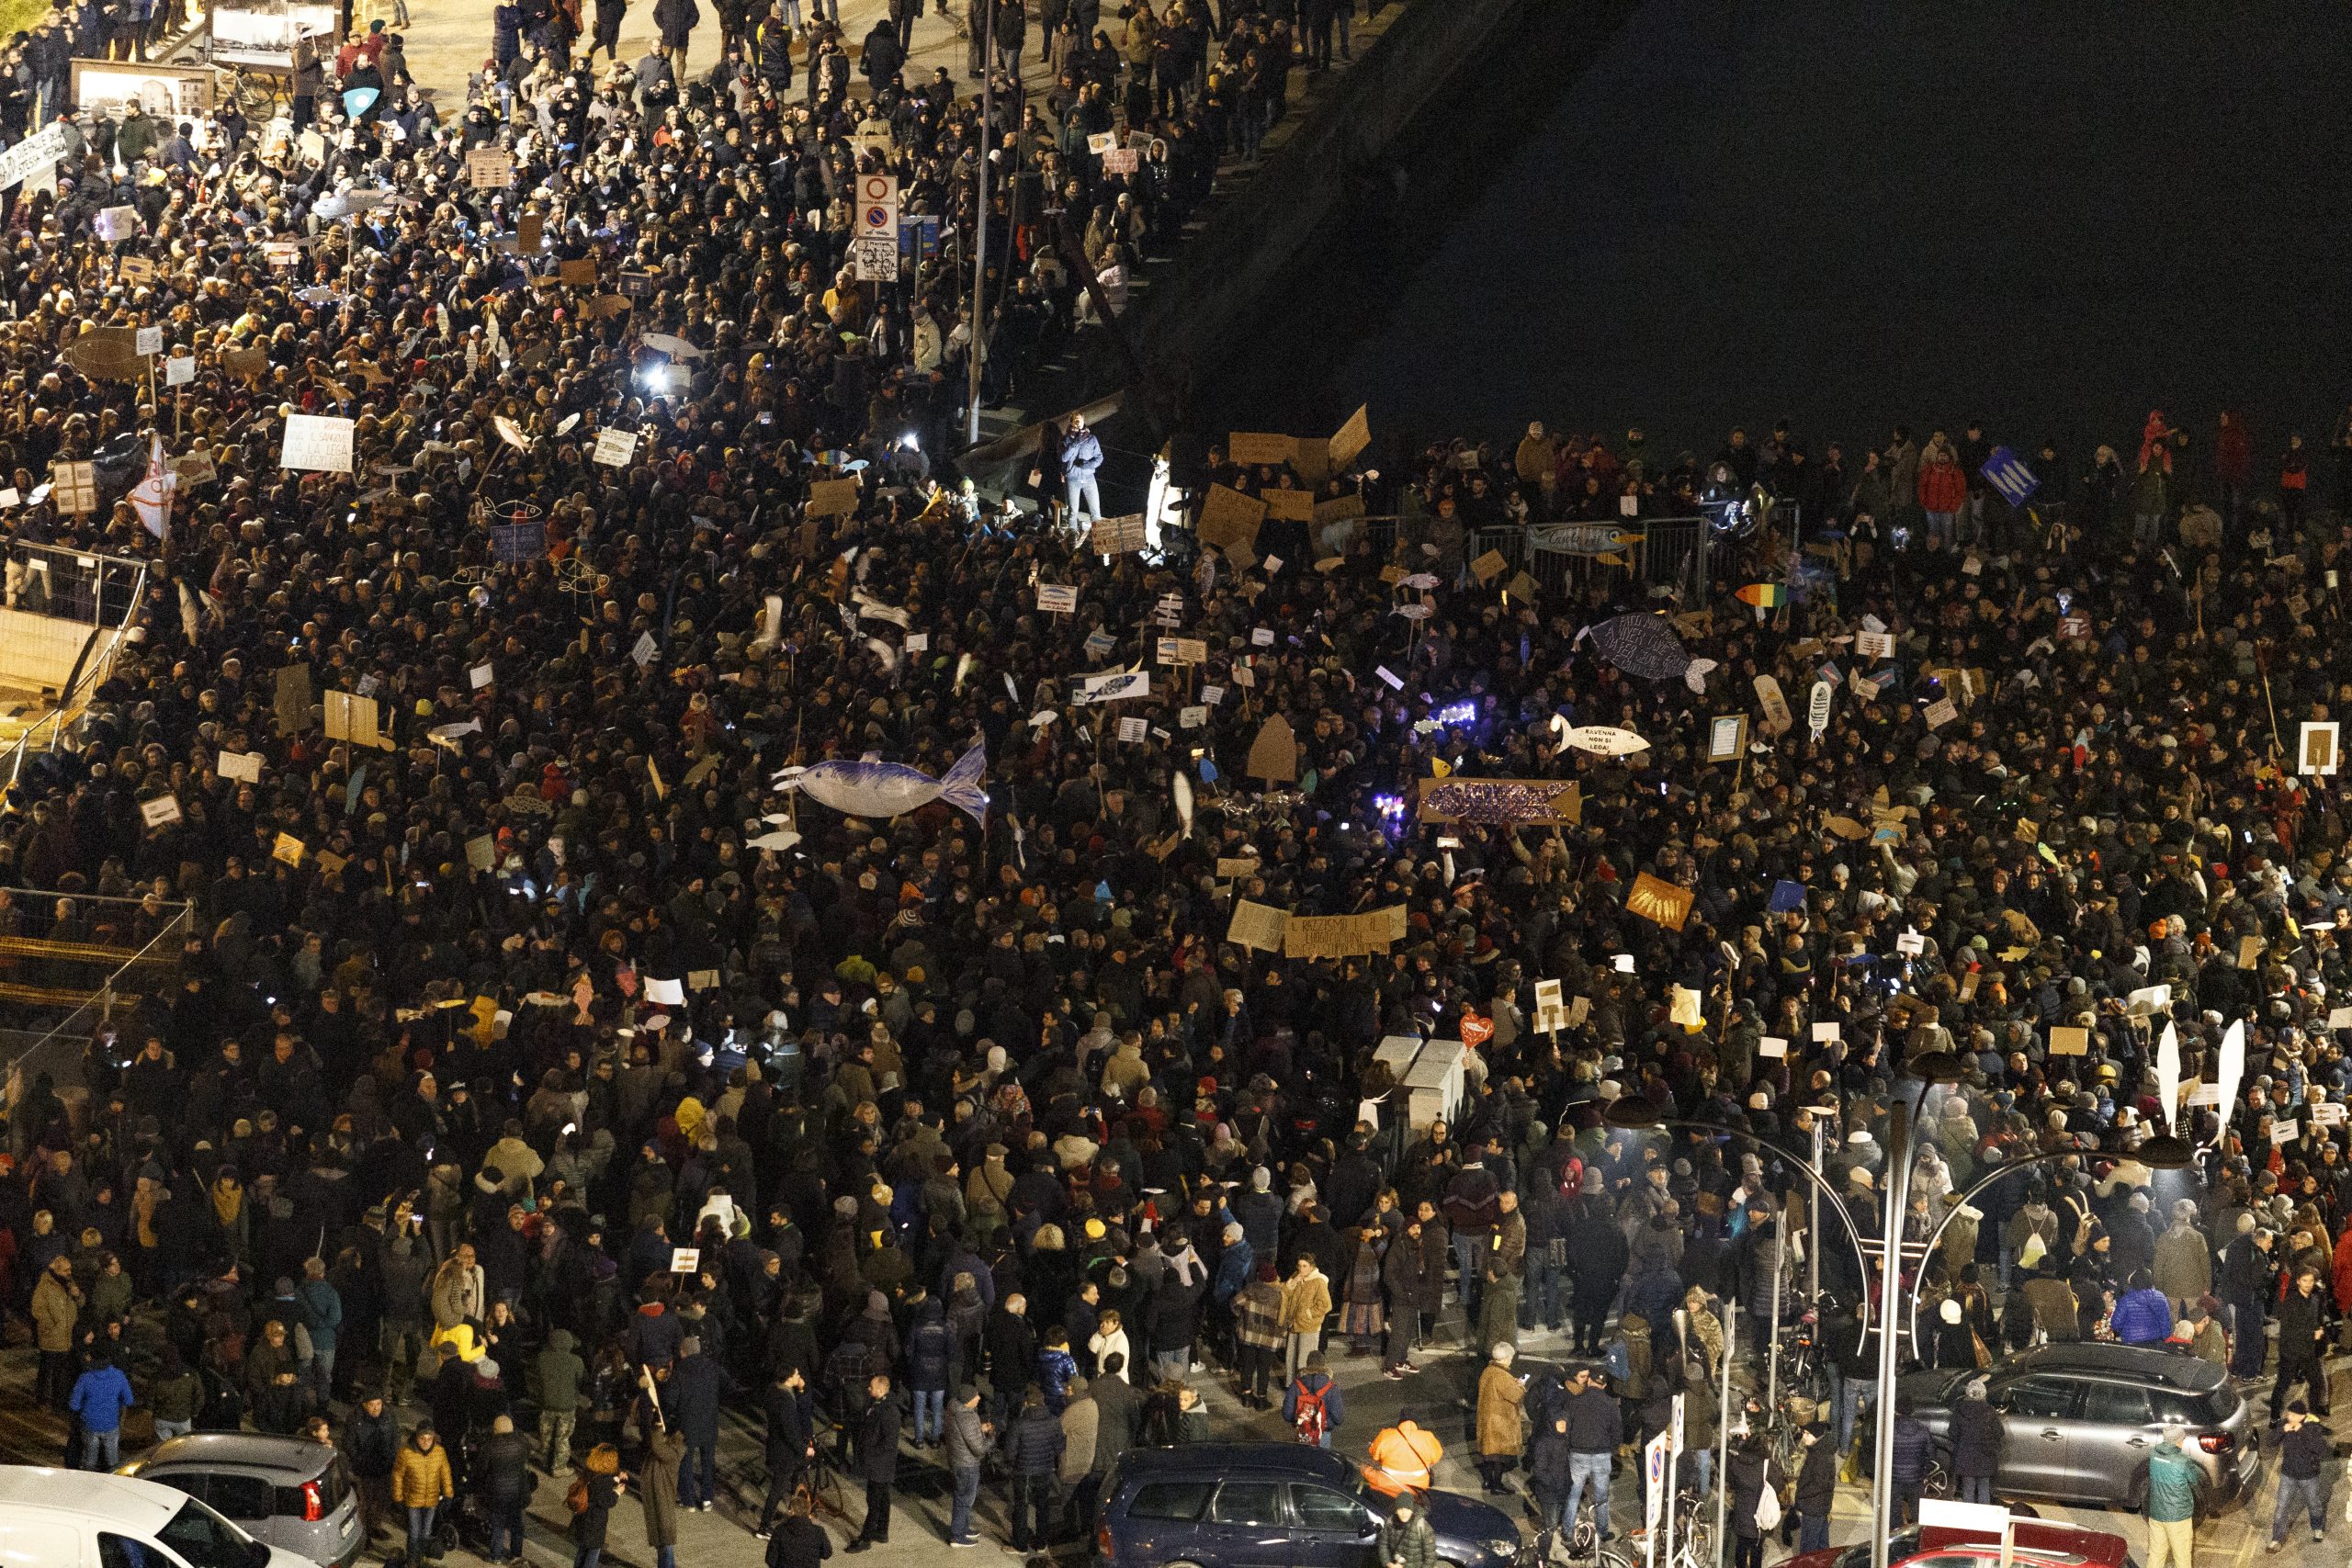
x=1763, y=595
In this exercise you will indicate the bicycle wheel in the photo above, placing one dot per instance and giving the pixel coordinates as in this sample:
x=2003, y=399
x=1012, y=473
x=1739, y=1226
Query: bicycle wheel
x=1694, y=1540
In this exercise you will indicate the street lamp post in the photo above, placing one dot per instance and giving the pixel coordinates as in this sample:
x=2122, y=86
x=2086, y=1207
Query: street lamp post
x=2160, y=1153
x=1642, y=1116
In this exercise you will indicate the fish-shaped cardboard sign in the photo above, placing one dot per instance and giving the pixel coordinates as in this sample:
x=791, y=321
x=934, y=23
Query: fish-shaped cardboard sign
x=1605, y=740
x=1646, y=645
x=892, y=789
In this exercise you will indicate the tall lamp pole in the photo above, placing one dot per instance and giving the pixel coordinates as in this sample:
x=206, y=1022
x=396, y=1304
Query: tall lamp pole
x=973, y=350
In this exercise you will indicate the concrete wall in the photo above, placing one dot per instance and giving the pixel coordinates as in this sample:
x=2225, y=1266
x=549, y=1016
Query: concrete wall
x=1201, y=309
x=37, y=652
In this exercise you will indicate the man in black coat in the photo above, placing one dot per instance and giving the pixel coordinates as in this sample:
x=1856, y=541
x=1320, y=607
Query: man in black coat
x=1012, y=1353
x=694, y=1389
x=877, y=1454
x=2302, y=1330
x=505, y=1482
x=792, y=1440
x=1597, y=1263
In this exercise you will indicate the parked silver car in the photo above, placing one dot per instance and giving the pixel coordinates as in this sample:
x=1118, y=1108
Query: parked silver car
x=2079, y=1421
x=288, y=1492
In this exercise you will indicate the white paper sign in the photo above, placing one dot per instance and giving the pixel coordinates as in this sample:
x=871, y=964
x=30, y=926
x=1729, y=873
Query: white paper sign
x=1192, y=717
x=480, y=675
x=1911, y=944
x=150, y=341
x=666, y=993
x=686, y=1259
x=179, y=370
x=1133, y=729
x=918, y=642
x=1873, y=645
x=1212, y=695
x=2328, y=1113
x=2204, y=1094
x=1823, y=1031
x=1771, y=1045
x=2284, y=1130
x=116, y=223
x=316, y=442
x=161, y=810
x=1262, y=637
x=1059, y=599
x=1395, y=681
x=644, y=650
x=2340, y=1017
x=615, y=447
x=245, y=766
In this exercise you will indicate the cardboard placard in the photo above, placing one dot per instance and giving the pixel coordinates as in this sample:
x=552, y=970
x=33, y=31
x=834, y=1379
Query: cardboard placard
x=1229, y=517
x=1776, y=717
x=1290, y=505
x=1352, y=437
x=1488, y=566
x=289, y=849
x=1343, y=936
x=831, y=498
x=316, y=443
x=1659, y=901
x=1941, y=712
x=1519, y=802
x=1251, y=449
x=1257, y=926
x=1115, y=535
x=2250, y=950
x=1273, y=755
x=489, y=168
x=2066, y=1041
x=580, y=273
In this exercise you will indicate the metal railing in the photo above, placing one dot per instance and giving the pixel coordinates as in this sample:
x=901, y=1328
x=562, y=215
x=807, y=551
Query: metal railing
x=94, y=590
x=63, y=1050
x=70, y=584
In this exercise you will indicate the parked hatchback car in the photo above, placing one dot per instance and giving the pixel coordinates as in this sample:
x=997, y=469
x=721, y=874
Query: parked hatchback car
x=289, y=1492
x=1273, y=1505
x=2079, y=1421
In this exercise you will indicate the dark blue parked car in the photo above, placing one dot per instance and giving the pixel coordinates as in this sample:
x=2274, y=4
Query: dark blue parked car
x=1273, y=1505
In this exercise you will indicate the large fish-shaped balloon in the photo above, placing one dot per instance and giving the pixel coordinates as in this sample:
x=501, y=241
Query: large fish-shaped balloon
x=2168, y=1076
x=1646, y=646
x=893, y=789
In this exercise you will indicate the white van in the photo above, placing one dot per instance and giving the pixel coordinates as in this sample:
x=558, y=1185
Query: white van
x=80, y=1519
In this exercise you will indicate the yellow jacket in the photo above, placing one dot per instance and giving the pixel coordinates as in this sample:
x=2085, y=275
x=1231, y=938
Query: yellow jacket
x=420, y=1479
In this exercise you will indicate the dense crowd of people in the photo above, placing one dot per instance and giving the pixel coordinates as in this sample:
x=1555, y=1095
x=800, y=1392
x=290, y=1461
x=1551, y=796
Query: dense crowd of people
x=571, y=1074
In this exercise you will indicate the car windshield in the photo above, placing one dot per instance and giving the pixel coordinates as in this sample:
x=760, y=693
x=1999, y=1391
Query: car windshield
x=205, y=1539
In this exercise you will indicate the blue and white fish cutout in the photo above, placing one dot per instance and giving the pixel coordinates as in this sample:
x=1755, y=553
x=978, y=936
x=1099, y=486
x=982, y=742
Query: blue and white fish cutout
x=892, y=789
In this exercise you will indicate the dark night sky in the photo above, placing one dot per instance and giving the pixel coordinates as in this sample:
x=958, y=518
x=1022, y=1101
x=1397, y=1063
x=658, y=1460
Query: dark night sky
x=2057, y=215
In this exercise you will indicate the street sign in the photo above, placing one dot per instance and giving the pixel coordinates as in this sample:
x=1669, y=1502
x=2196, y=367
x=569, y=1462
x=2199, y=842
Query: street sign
x=877, y=208
x=1654, y=1457
x=1675, y=1429
x=919, y=235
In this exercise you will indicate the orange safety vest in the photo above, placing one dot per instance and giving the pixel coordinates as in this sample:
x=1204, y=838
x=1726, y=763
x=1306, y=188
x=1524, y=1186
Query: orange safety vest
x=1405, y=1455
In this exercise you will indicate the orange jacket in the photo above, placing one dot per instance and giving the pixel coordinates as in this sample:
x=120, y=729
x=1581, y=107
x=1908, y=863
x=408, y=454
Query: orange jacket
x=1406, y=1453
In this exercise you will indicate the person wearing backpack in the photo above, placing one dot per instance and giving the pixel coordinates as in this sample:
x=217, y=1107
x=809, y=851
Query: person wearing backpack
x=1313, y=1404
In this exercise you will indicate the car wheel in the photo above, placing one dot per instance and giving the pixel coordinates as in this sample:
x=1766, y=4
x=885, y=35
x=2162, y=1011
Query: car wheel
x=1936, y=1479
x=2135, y=1493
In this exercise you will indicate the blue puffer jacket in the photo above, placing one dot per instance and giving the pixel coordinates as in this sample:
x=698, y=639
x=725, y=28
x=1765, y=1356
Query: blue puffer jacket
x=2142, y=1318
